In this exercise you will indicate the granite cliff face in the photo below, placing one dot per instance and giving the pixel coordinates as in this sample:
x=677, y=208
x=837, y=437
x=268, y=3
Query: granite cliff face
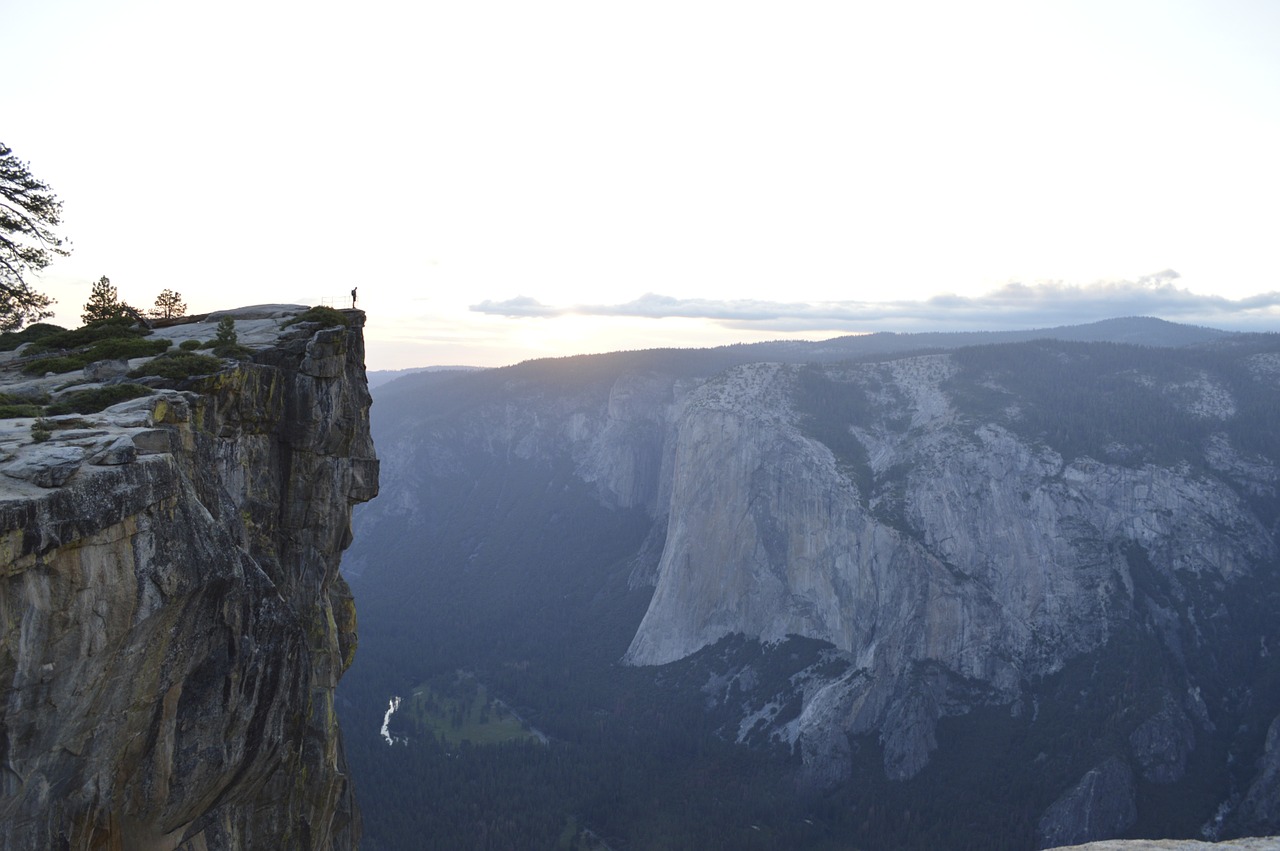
x=1067, y=548
x=172, y=620
x=968, y=548
x=916, y=515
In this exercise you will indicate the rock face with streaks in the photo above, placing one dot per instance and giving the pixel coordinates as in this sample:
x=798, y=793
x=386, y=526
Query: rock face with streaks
x=935, y=542
x=1100, y=805
x=172, y=620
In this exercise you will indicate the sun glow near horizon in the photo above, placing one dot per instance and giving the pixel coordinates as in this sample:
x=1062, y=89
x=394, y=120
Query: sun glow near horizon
x=443, y=156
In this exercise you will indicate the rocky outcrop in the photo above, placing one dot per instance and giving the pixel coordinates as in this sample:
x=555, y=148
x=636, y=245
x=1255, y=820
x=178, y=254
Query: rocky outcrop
x=1099, y=806
x=1162, y=743
x=1261, y=805
x=1261, y=843
x=172, y=620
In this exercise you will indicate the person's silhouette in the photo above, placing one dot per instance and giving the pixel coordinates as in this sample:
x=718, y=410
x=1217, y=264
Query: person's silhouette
x=353, y=297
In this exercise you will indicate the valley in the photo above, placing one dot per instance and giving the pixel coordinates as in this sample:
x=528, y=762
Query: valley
x=863, y=594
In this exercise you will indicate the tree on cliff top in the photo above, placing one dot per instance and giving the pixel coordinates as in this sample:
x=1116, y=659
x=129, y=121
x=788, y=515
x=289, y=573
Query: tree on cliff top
x=104, y=302
x=28, y=213
x=168, y=305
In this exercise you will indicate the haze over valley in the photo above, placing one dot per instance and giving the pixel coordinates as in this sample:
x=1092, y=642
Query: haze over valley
x=891, y=591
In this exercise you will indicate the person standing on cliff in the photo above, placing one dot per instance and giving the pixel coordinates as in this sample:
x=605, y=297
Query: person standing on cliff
x=353, y=297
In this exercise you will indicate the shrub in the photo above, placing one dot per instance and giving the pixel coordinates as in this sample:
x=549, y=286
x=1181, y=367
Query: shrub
x=12, y=339
x=190, y=345
x=15, y=411
x=126, y=347
x=327, y=317
x=24, y=399
x=178, y=366
x=112, y=348
x=95, y=399
x=235, y=351
x=103, y=329
x=57, y=364
x=41, y=431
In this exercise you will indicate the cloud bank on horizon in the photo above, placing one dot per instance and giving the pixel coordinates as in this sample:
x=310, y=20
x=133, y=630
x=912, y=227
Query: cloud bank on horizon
x=1011, y=306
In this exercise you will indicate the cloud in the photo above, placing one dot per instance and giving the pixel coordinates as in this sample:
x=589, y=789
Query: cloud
x=660, y=306
x=518, y=307
x=1012, y=305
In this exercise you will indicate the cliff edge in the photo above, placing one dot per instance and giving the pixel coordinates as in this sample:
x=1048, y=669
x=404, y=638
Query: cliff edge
x=172, y=619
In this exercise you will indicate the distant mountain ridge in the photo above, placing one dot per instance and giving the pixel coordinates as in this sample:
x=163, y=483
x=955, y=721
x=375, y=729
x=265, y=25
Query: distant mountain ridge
x=1137, y=330
x=382, y=376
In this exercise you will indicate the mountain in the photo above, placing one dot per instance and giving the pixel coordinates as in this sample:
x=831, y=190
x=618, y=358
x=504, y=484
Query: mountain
x=993, y=591
x=1138, y=330
x=378, y=377
x=172, y=620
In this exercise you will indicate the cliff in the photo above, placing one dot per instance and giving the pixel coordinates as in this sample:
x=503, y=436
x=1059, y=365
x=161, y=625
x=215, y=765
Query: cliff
x=172, y=620
x=1051, y=560
x=940, y=539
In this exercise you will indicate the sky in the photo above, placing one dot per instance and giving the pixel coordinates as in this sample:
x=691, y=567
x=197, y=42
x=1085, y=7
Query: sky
x=509, y=180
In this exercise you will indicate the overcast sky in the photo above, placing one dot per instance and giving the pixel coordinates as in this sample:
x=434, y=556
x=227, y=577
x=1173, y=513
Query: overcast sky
x=506, y=180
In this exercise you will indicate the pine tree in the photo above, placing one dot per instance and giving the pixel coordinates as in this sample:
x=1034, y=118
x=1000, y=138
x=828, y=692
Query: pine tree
x=103, y=302
x=28, y=213
x=226, y=333
x=168, y=305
